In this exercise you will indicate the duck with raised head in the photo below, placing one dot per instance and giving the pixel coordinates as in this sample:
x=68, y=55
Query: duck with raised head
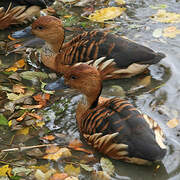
x=113, y=126
x=19, y=11
x=129, y=57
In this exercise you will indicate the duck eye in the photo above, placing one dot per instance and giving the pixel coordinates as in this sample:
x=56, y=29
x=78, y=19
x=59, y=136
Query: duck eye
x=73, y=77
x=39, y=27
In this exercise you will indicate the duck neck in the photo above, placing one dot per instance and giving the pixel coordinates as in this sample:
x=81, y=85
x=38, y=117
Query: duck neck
x=91, y=101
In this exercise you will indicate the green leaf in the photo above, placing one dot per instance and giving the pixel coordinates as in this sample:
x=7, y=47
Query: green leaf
x=3, y=120
x=86, y=167
x=107, y=166
x=30, y=75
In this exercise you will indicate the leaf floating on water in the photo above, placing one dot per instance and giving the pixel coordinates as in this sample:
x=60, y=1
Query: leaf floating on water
x=3, y=120
x=71, y=170
x=106, y=14
x=87, y=167
x=107, y=166
x=171, y=32
x=159, y=6
x=59, y=176
x=100, y=175
x=157, y=33
x=48, y=137
x=61, y=153
x=166, y=17
x=172, y=123
x=24, y=131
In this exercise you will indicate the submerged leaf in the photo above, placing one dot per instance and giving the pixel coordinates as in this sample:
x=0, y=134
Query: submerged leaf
x=107, y=166
x=106, y=14
x=172, y=123
x=71, y=170
x=171, y=32
x=166, y=17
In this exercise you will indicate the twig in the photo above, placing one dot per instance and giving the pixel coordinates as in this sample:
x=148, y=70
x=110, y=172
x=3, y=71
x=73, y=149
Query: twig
x=27, y=147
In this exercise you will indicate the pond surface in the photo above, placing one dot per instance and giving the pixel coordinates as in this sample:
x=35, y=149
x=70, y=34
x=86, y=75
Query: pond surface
x=160, y=99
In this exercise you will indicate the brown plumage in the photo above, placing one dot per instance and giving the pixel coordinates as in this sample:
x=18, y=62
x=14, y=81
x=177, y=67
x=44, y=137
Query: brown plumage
x=113, y=127
x=129, y=57
x=18, y=12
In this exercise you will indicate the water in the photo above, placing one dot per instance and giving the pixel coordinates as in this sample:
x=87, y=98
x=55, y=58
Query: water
x=162, y=104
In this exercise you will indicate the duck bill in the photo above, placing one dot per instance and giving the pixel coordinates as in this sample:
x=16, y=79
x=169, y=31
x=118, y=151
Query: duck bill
x=57, y=85
x=24, y=33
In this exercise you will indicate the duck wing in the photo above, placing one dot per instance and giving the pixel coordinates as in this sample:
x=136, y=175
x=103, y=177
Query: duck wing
x=120, y=131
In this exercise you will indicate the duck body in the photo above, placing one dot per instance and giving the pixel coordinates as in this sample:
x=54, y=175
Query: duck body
x=113, y=127
x=129, y=57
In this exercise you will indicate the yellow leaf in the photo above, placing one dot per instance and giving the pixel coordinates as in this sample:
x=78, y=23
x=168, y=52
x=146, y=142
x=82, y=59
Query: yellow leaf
x=48, y=137
x=18, y=88
x=20, y=63
x=43, y=168
x=61, y=153
x=13, y=97
x=10, y=123
x=166, y=17
x=172, y=123
x=106, y=14
x=71, y=170
x=24, y=131
x=14, y=69
x=4, y=170
x=120, y=2
x=171, y=32
x=40, y=124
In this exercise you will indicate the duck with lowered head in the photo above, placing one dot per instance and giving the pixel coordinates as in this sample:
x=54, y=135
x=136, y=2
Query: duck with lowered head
x=113, y=126
x=129, y=58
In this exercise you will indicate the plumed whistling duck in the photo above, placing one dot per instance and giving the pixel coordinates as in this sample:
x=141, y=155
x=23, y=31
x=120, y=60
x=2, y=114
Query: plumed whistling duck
x=113, y=127
x=129, y=57
x=19, y=11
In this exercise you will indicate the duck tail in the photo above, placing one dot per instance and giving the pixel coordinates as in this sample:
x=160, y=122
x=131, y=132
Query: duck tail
x=104, y=66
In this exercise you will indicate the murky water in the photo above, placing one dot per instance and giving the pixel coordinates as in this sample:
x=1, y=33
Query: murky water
x=162, y=104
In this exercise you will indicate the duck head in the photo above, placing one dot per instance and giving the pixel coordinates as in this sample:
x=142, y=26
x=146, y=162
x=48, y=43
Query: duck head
x=82, y=77
x=48, y=28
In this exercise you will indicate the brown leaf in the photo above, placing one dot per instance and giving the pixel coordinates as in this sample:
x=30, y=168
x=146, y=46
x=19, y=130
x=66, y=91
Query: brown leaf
x=22, y=117
x=42, y=99
x=32, y=106
x=35, y=116
x=49, y=137
x=172, y=123
x=52, y=149
x=18, y=88
x=59, y=176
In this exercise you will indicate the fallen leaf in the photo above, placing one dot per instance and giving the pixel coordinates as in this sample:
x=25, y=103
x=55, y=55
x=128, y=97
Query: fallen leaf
x=157, y=33
x=24, y=170
x=100, y=175
x=120, y=2
x=24, y=131
x=144, y=82
x=172, y=123
x=166, y=17
x=87, y=167
x=71, y=170
x=52, y=149
x=22, y=117
x=44, y=168
x=20, y=63
x=49, y=137
x=61, y=153
x=42, y=99
x=3, y=120
x=18, y=88
x=106, y=14
x=71, y=178
x=59, y=176
x=40, y=124
x=107, y=166
x=171, y=32
x=35, y=116
x=11, y=38
x=13, y=97
x=17, y=45
x=30, y=75
x=4, y=170
x=14, y=69
x=31, y=106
